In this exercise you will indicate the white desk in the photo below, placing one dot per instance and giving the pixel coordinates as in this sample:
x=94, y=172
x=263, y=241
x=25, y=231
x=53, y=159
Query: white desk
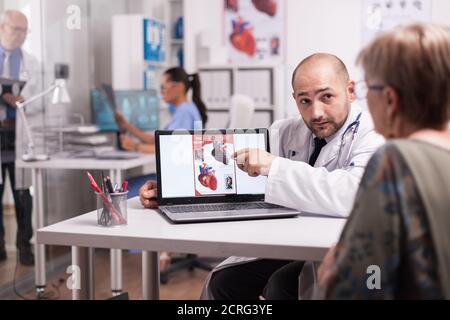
x=115, y=168
x=301, y=238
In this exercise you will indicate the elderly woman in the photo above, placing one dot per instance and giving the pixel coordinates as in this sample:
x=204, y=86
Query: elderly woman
x=396, y=244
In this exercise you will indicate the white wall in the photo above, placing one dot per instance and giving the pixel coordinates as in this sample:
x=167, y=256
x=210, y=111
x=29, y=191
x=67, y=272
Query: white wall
x=100, y=36
x=312, y=26
x=441, y=11
x=201, y=16
x=334, y=27
x=153, y=8
x=321, y=26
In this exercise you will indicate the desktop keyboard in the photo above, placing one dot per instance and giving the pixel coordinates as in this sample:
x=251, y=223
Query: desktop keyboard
x=222, y=207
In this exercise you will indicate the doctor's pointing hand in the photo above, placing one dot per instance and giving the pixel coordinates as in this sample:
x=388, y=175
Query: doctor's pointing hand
x=254, y=161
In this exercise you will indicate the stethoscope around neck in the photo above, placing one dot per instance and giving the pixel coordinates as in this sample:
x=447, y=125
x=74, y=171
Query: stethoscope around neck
x=350, y=131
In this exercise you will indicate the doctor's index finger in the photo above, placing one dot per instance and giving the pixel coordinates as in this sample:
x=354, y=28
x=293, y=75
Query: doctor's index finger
x=240, y=152
x=241, y=156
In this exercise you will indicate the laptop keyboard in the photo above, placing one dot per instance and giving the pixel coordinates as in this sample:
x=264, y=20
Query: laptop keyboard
x=222, y=207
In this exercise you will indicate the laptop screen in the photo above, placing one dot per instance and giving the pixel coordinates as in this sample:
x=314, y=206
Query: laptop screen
x=198, y=167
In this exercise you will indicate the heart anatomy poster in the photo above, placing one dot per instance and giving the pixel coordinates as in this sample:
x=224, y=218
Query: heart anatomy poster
x=254, y=30
x=383, y=15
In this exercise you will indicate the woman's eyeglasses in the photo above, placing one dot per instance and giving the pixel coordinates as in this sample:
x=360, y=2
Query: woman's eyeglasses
x=362, y=89
x=164, y=87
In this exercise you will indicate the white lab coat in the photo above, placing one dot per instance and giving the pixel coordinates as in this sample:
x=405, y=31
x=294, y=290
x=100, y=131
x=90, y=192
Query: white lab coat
x=330, y=187
x=31, y=73
x=327, y=189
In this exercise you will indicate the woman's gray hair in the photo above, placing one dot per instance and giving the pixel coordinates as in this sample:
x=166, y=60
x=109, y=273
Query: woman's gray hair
x=415, y=61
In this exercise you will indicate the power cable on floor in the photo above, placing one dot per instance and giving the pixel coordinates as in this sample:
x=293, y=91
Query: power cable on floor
x=51, y=295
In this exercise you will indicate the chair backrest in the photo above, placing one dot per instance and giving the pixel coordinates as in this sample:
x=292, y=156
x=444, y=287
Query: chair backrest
x=242, y=109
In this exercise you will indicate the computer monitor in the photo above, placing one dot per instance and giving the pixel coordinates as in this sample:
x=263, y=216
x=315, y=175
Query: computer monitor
x=140, y=108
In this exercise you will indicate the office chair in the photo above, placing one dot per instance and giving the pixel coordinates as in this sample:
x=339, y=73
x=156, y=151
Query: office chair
x=241, y=112
x=190, y=262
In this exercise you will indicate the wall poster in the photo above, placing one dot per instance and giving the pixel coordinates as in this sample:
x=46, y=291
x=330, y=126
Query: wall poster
x=383, y=15
x=255, y=30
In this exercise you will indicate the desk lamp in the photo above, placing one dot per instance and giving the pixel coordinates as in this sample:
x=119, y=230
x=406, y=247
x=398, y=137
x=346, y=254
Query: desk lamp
x=60, y=95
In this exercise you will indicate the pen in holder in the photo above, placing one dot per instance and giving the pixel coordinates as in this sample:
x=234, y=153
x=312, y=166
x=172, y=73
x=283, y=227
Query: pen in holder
x=112, y=209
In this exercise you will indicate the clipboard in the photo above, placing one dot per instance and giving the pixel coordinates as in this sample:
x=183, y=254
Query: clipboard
x=109, y=92
x=11, y=86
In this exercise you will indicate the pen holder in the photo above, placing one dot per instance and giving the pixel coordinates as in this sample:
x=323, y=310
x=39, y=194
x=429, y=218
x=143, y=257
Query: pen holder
x=112, y=209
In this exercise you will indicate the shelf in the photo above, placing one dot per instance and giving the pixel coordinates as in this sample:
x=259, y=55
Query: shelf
x=156, y=64
x=225, y=109
x=243, y=66
x=177, y=41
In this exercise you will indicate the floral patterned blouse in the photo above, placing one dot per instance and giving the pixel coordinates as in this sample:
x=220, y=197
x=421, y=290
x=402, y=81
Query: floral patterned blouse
x=387, y=228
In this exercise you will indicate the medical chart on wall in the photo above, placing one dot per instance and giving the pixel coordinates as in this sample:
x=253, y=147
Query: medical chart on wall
x=154, y=35
x=254, y=30
x=383, y=15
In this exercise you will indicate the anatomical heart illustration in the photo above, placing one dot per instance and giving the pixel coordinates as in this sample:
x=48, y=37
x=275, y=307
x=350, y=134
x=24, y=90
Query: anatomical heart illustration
x=242, y=37
x=207, y=177
x=267, y=6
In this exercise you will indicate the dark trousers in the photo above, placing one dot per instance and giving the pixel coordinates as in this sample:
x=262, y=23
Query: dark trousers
x=23, y=205
x=272, y=279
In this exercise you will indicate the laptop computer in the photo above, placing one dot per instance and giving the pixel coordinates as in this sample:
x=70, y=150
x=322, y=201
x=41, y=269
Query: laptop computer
x=199, y=180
